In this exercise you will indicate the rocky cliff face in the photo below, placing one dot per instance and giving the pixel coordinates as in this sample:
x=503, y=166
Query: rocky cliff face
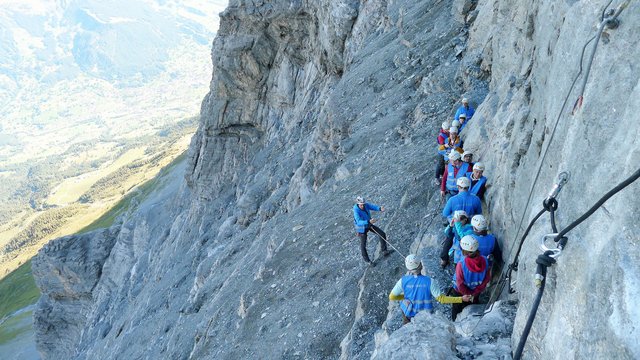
x=314, y=102
x=534, y=52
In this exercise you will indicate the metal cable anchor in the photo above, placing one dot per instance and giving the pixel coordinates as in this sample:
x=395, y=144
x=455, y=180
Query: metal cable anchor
x=561, y=180
x=555, y=251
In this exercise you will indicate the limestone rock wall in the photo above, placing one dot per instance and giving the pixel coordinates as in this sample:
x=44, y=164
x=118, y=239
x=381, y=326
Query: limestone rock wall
x=248, y=249
x=68, y=273
x=533, y=52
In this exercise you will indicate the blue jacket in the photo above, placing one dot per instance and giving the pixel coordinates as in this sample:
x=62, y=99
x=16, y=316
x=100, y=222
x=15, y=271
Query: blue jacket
x=471, y=279
x=486, y=242
x=479, y=185
x=463, y=201
x=417, y=294
x=469, y=112
x=459, y=231
x=451, y=179
x=361, y=217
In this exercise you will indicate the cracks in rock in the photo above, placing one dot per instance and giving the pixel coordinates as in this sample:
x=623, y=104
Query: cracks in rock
x=244, y=130
x=540, y=141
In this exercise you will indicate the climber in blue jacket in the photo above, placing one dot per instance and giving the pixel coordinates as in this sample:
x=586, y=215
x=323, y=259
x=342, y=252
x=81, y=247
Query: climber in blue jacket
x=487, y=243
x=478, y=181
x=465, y=109
x=416, y=292
x=462, y=120
x=463, y=201
x=461, y=227
x=363, y=223
x=455, y=170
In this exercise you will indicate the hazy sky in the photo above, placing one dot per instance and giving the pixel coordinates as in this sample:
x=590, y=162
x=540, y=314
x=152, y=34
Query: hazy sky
x=41, y=7
x=59, y=55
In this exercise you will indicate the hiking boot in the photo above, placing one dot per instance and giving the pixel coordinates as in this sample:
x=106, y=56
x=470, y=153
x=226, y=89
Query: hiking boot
x=444, y=263
x=436, y=182
x=386, y=253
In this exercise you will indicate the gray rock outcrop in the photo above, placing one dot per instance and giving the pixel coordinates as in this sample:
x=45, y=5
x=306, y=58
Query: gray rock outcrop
x=426, y=337
x=69, y=269
x=253, y=255
x=588, y=293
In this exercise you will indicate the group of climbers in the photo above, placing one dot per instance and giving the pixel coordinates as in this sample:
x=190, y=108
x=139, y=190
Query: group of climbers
x=466, y=237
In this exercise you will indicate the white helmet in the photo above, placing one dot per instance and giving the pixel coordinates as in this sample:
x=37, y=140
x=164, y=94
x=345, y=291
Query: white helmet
x=478, y=166
x=360, y=200
x=445, y=125
x=454, y=155
x=479, y=222
x=467, y=152
x=453, y=129
x=469, y=243
x=463, y=182
x=459, y=213
x=455, y=123
x=412, y=262
x=462, y=116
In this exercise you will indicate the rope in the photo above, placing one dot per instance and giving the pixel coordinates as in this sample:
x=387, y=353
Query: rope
x=545, y=260
x=506, y=277
x=560, y=238
x=387, y=241
x=610, y=21
x=514, y=264
x=552, y=216
x=406, y=190
x=595, y=206
x=545, y=151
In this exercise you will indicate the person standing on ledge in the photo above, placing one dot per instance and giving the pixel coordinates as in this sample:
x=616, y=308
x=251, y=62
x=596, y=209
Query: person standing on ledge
x=455, y=170
x=472, y=274
x=467, y=156
x=443, y=151
x=464, y=200
x=363, y=223
x=465, y=109
x=478, y=181
x=416, y=291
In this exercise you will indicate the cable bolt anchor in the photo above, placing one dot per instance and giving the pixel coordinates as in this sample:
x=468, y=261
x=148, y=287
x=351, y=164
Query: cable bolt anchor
x=556, y=252
x=561, y=180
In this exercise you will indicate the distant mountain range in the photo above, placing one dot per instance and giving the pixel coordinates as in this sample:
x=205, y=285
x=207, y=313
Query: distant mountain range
x=84, y=82
x=124, y=41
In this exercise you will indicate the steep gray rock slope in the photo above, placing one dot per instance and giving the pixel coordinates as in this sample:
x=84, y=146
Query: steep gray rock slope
x=253, y=254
